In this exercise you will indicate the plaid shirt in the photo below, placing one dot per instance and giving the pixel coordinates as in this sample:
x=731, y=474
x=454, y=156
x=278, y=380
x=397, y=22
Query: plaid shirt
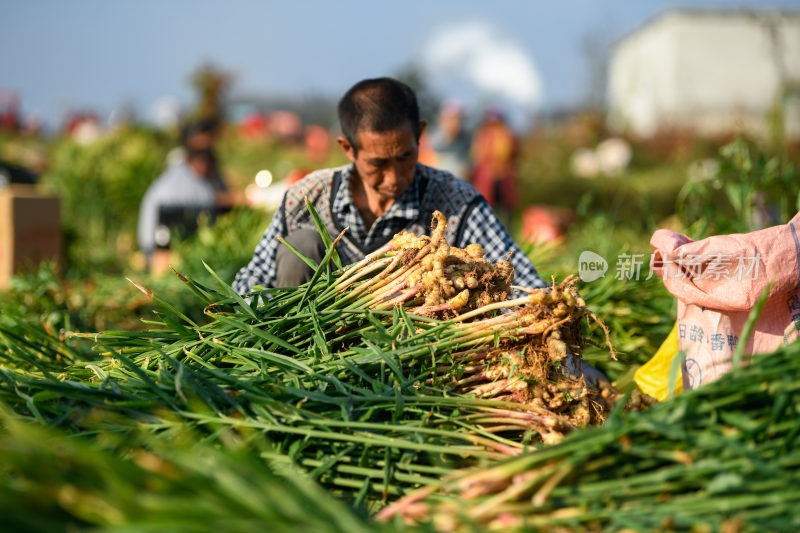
x=481, y=226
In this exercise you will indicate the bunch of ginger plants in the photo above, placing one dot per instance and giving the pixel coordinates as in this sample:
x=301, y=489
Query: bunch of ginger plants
x=374, y=379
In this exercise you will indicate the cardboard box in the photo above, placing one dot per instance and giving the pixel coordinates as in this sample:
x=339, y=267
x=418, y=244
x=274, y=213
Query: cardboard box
x=30, y=230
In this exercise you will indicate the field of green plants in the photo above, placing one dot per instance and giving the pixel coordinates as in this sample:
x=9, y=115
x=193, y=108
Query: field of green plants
x=135, y=402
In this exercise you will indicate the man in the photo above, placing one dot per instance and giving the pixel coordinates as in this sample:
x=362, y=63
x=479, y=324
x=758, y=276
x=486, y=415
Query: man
x=186, y=185
x=202, y=135
x=382, y=191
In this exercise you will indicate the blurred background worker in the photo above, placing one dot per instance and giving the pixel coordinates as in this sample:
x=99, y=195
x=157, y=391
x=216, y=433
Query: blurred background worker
x=202, y=135
x=494, y=151
x=174, y=201
x=451, y=141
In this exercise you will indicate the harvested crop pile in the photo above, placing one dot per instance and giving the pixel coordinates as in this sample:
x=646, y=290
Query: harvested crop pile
x=54, y=482
x=721, y=458
x=519, y=355
x=530, y=366
x=427, y=276
x=375, y=380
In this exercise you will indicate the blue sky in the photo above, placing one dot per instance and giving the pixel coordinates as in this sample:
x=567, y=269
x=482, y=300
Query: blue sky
x=100, y=54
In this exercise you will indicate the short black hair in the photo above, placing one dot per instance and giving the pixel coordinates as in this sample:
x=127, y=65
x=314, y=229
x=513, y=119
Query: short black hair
x=201, y=126
x=378, y=104
x=199, y=153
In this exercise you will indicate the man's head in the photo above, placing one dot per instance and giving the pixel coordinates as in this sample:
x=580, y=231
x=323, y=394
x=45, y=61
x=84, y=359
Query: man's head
x=378, y=105
x=200, y=134
x=200, y=160
x=381, y=127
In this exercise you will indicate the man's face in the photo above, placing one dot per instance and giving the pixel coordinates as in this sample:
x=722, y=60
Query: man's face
x=201, y=166
x=201, y=141
x=384, y=161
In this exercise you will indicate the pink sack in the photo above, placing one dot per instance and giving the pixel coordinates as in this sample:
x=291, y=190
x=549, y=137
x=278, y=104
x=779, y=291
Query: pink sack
x=717, y=282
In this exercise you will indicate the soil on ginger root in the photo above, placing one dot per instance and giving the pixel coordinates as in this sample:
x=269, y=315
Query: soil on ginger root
x=496, y=282
x=533, y=375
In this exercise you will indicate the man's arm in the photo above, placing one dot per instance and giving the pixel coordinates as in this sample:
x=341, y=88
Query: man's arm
x=261, y=269
x=482, y=227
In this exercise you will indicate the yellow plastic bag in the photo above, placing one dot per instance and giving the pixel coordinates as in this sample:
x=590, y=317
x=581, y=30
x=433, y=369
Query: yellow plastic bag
x=653, y=377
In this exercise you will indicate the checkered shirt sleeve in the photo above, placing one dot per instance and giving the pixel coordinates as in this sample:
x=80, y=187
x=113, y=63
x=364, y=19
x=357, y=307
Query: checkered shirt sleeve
x=482, y=227
x=261, y=270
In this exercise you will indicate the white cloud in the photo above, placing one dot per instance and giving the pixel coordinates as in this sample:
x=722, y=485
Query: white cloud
x=481, y=56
